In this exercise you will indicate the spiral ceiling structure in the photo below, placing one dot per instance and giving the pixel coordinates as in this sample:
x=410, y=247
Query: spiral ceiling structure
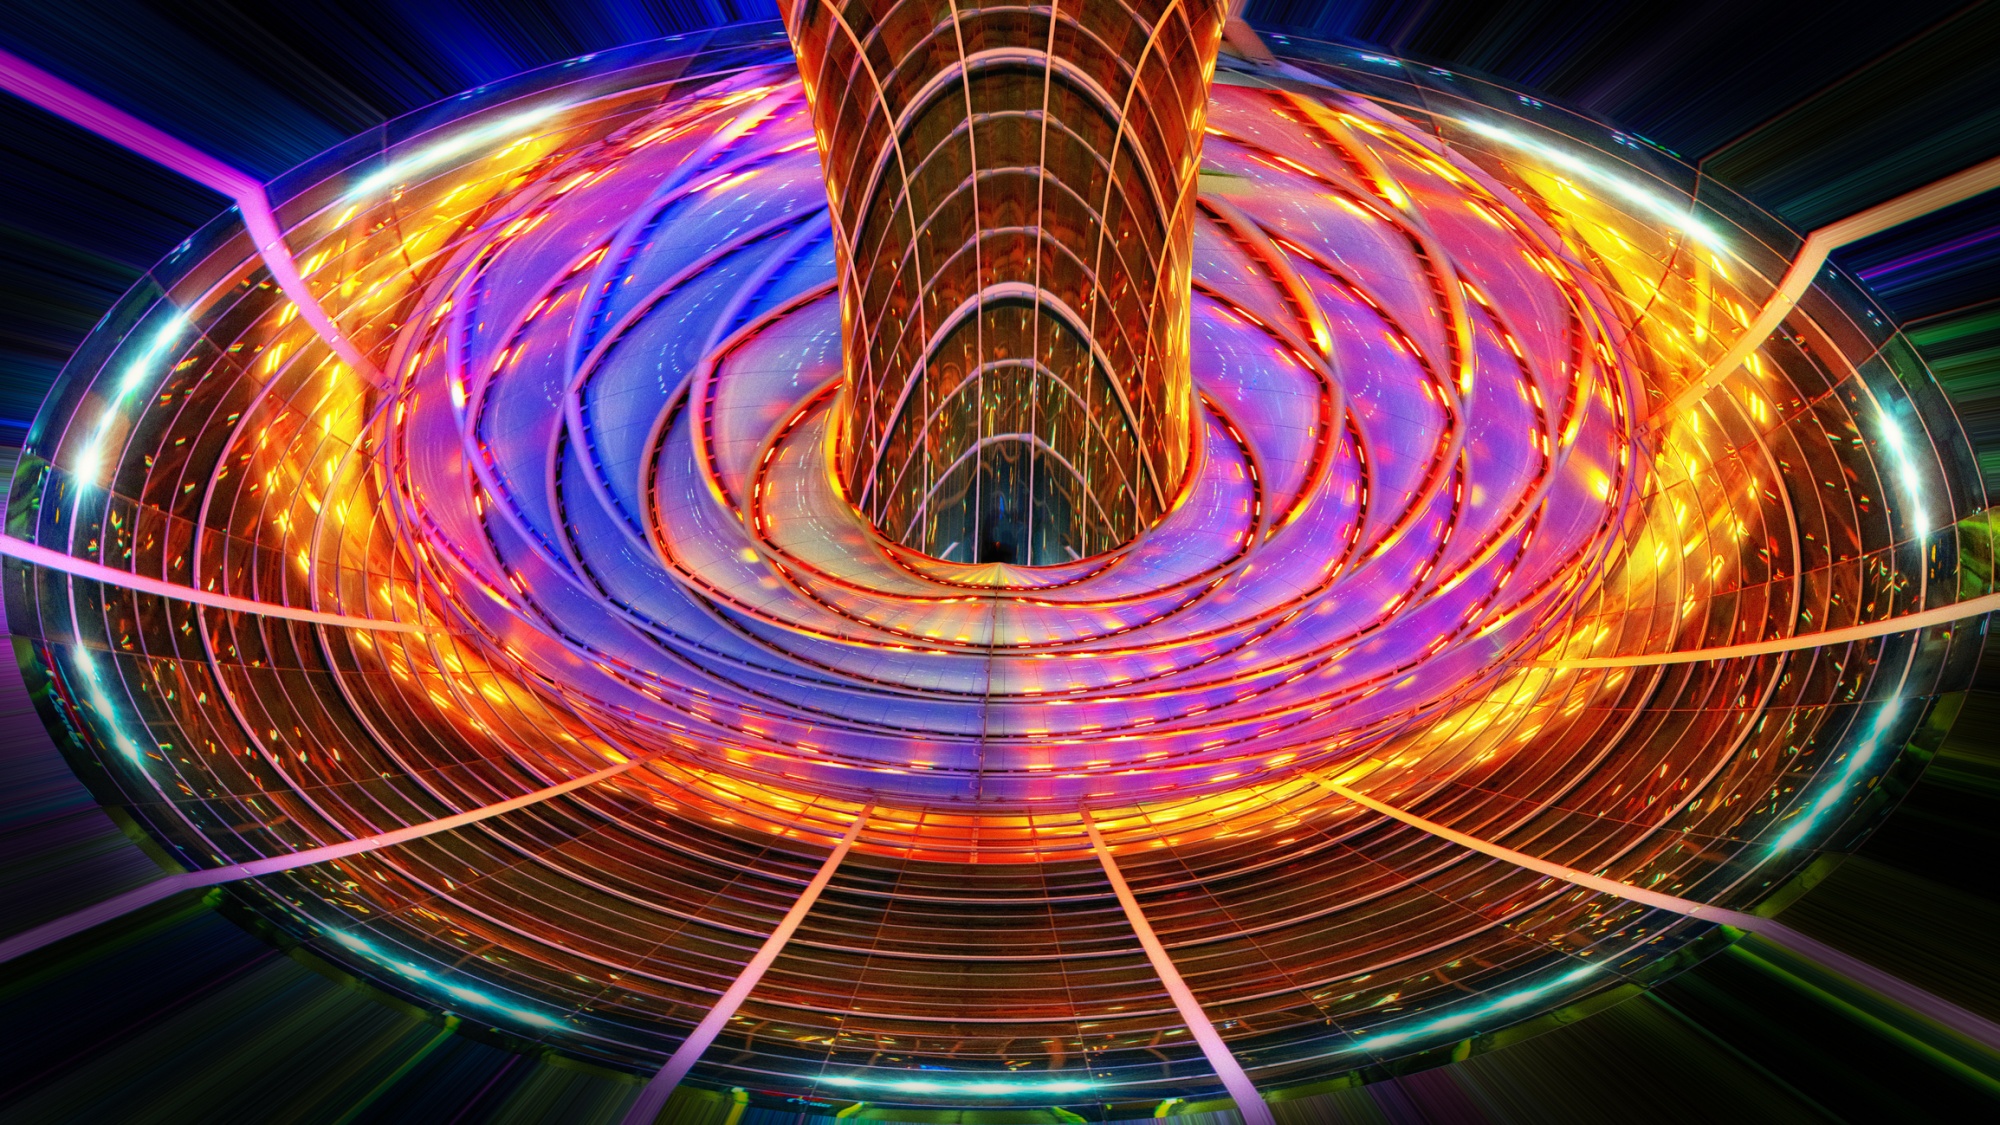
x=580, y=535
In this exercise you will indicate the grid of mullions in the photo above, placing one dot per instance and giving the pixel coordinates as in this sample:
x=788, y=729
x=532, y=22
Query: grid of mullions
x=1013, y=187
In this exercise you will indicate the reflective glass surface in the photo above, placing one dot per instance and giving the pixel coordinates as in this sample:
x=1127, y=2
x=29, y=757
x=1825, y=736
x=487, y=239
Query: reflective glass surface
x=1433, y=329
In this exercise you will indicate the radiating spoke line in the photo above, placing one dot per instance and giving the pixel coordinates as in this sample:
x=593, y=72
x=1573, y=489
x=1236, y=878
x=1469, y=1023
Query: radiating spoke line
x=13, y=548
x=1799, y=277
x=32, y=84
x=654, y=1097
x=1942, y=615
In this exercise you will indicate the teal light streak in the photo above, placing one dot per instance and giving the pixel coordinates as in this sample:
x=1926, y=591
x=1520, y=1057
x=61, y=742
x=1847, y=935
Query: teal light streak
x=1906, y=474
x=1458, y=1020
x=1471, y=1014
x=100, y=702
x=88, y=464
x=90, y=461
x=982, y=1087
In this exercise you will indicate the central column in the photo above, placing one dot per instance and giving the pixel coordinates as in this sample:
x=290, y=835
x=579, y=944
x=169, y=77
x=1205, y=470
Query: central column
x=1012, y=193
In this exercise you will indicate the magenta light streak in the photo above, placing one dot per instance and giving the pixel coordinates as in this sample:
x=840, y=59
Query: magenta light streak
x=13, y=548
x=73, y=105
x=30, y=940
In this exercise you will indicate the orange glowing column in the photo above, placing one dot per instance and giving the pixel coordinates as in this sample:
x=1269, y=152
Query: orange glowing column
x=1013, y=201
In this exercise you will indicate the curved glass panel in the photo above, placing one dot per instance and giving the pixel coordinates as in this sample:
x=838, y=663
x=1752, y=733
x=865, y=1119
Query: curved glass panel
x=1436, y=527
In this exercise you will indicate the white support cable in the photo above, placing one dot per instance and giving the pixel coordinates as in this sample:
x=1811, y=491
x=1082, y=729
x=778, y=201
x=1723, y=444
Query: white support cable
x=77, y=921
x=653, y=1098
x=1823, y=241
x=30, y=83
x=37, y=555
x=1249, y=1103
x=1923, y=619
x=1929, y=1005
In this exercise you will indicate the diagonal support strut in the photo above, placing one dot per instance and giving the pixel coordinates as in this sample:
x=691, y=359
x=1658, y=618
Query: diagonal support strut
x=654, y=1097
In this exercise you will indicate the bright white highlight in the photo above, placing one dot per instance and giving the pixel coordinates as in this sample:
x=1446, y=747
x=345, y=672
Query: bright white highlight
x=90, y=461
x=1671, y=212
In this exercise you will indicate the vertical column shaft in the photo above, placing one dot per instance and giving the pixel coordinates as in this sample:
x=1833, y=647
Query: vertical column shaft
x=1012, y=194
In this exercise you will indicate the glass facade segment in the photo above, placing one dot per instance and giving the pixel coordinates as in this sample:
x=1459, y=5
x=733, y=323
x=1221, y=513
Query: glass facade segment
x=1013, y=191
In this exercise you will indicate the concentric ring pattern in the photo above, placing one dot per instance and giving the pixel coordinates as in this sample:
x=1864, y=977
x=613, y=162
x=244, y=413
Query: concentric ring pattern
x=1435, y=329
